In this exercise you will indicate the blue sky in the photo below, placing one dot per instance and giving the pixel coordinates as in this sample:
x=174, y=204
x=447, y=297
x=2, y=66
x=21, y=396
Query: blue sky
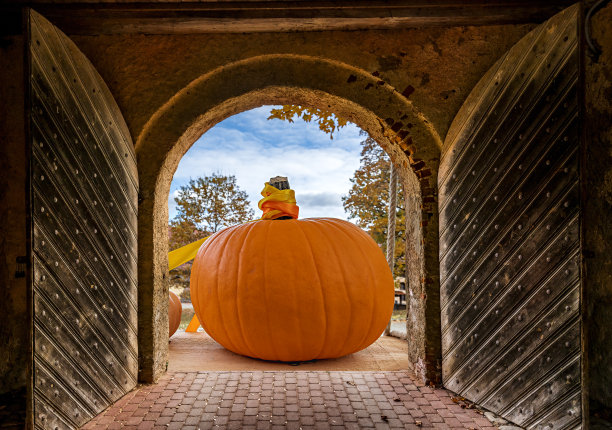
x=253, y=148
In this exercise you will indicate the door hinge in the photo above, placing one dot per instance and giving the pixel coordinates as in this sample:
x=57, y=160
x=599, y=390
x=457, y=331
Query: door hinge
x=22, y=262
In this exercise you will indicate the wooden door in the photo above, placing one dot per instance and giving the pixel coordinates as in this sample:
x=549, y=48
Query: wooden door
x=509, y=235
x=83, y=201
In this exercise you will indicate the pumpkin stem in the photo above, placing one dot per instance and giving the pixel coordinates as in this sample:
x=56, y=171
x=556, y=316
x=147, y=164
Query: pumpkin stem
x=280, y=182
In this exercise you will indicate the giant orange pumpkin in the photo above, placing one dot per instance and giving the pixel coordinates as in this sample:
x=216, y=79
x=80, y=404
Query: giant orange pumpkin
x=175, y=309
x=292, y=290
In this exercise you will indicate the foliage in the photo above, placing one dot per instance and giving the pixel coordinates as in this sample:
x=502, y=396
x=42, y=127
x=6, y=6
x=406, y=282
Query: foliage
x=179, y=282
x=205, y=205
x=181, y=232
x=208, y=204
x=328, y=121
x=368, y=199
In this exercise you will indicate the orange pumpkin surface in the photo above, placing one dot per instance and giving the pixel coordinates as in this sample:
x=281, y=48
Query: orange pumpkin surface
x=175, y=309
x=292, y=290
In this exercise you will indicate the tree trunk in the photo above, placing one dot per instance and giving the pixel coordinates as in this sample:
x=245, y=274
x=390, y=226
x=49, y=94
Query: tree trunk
x=391, y=224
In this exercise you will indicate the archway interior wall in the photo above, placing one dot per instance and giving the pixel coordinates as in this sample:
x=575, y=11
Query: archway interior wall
x=396, y=126
x=435, y=67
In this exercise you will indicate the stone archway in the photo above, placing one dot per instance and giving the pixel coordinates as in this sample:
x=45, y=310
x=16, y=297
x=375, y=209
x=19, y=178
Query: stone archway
x=388, y=116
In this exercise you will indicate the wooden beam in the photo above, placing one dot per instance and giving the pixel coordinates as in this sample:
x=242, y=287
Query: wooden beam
x=284, y=15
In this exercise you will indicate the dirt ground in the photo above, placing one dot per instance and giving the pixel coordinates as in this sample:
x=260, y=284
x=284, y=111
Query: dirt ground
x=199, y=352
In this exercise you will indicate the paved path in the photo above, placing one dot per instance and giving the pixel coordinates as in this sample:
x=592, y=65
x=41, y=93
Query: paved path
x=291, y=400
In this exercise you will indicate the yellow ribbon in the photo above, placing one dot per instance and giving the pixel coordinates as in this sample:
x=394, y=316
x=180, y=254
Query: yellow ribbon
x=184, y=254
x=278, y=203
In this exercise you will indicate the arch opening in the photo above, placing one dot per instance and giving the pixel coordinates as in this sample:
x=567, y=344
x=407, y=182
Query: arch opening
x=388, y=117
x=250, y=149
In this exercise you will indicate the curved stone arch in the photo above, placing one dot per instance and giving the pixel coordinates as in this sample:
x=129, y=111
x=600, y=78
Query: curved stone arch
x=365, y=100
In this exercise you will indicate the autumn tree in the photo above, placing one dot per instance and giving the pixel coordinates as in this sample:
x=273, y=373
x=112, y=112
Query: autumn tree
x=205, y=205
x=181, y=233
x=368, y=200
x=328, y=121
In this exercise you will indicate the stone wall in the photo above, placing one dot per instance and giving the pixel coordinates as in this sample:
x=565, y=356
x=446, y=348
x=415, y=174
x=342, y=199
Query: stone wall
x=435, y=68
x=597, y=216
x=14, y=329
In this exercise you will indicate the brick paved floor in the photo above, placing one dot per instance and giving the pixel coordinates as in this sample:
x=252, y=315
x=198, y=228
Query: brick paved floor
x=292, y=400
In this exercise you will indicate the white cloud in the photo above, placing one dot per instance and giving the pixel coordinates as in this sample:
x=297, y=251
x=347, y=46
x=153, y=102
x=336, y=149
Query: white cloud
x=324, y=199
x=254, y=149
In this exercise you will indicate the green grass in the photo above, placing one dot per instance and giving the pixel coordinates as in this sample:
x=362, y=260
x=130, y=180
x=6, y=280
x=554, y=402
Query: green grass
x=399, y=315
x=186, y=318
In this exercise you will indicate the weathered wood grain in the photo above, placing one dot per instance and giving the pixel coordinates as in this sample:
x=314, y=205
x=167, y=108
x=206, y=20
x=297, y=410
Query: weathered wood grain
x=509, y=235
x=179, y=17
x=84, y=212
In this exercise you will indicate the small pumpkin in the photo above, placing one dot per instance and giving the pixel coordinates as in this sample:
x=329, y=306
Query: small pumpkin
x=292, y=290
x=175, y=309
